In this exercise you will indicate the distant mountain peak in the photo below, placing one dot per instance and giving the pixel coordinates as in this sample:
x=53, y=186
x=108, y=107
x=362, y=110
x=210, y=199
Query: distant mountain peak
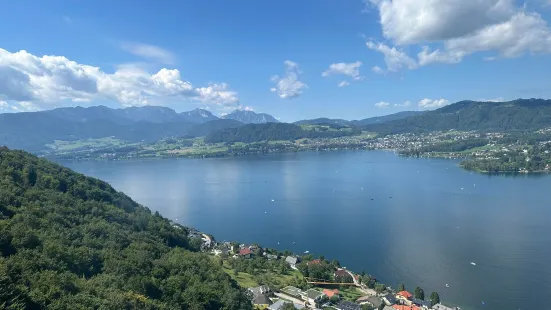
x=198, y=116
x=250, y=117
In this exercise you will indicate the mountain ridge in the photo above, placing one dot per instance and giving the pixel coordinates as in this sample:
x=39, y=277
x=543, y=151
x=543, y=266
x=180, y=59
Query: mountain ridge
x=250, y=117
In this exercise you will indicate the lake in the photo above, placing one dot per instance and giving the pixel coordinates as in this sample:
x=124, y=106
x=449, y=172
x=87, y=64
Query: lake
x=417, y=221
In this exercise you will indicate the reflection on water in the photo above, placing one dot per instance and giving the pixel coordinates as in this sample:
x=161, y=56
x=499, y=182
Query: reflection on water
x=416, y=221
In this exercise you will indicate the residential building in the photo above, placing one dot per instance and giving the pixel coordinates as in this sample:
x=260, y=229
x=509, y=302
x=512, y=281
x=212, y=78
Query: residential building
x=389, y=299
x=404, y=297
x=278, y=305
x=245, y=253
x=330, y=293
x=422, y=303
x=259, y=290
x=293, y=292
x=388, y=308
x=342, y=276
x=261, y=301
x=347, y=305
x=370, y=300
x=314, y=262
x=405, y=307
x=313, y=297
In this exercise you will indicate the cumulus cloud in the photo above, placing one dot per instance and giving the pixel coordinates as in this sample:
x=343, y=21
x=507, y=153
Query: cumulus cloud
x=498, y=26
x=432, y=104
x=395, y=59
x=382, y=105
x=50, y=79
x=342, y=68
x=344, y=83
x=150, y=52
x=416, y=21
x=378, y=70
x=289, y=86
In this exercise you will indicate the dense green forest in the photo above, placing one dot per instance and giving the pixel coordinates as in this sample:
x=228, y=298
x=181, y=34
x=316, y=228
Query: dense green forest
x=72, y=242
x=273, y=132
x=516, y=115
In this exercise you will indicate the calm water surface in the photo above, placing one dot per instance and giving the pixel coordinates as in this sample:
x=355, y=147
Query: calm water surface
x=417, y=221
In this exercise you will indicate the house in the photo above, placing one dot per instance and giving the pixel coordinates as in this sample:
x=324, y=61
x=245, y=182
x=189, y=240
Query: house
x=388, y=308
x=245, y=253
x=422, y=303
x=330, y=293
x=342, y=276
x=314, y=262
x=278, y=305
x=313, y=297
x=271, y=256
x=259, y=290
x=348, y=305
x=293, y=292
x=405, y=307
x=261, y=301
x=370, y=300
x=389, y=299
x=291, y=261
x=404, y=297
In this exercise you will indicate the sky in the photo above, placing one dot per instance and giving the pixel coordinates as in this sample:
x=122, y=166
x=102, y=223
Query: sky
x=347, y=59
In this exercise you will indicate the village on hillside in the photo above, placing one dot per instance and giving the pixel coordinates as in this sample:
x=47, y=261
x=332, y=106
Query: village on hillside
x=282, y=280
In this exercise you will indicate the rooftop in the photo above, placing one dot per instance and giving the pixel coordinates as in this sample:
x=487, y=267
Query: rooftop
x=314, y=294
x=292, y=291
x=405, y=294
x=348, y=305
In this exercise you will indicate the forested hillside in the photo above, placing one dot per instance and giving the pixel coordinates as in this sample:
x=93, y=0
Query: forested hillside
x=274, y=132
x=72, y=242
x=516, y=115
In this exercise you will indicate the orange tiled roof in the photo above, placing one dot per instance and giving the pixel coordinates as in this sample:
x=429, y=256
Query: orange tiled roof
x=314, y=262
x=403, y=307
x=330, y=293
x=405, y=294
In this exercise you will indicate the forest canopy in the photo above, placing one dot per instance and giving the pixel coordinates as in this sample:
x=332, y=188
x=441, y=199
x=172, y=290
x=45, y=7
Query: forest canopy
x=68, y=241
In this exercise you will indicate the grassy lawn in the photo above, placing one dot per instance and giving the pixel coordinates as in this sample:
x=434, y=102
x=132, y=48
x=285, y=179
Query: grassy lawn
x=350, y=293
x=60, y=145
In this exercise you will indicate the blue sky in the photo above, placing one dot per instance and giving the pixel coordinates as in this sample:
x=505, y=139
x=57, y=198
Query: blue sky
x=271, y=56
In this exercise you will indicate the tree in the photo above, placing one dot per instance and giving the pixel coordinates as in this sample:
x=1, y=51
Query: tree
x=401, y=287
x=419, y=293
x=434, y=298
x=288, y=306
x=334, y=299
x=367, y=307
x=379, y=287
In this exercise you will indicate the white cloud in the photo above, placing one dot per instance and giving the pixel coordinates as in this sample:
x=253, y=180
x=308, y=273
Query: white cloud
x=150, y=51
x=395, y=59
x=418, y=21
x=378, y=70
x=349, y=69
x=498, y=26
x=402, y=105
x=382, y=105
x=344, y=83
x=22, y=106
x=51, y=79
x=431, y=104
x=289, y=86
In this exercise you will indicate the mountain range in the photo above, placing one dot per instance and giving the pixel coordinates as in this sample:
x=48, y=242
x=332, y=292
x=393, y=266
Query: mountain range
x=32, y=131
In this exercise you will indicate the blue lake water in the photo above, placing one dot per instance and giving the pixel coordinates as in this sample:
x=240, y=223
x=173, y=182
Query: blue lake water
x=417, y=221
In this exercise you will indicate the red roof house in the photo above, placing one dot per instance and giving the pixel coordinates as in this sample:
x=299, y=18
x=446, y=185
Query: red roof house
x=330, y=293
